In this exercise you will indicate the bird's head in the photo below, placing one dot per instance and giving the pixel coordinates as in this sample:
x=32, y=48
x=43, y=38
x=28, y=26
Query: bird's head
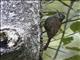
x=60, y=16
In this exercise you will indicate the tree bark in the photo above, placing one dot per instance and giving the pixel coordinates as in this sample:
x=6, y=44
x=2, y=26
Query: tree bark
x=20, y=20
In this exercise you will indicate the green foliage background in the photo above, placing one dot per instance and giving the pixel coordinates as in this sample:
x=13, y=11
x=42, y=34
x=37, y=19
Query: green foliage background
x=70, y=50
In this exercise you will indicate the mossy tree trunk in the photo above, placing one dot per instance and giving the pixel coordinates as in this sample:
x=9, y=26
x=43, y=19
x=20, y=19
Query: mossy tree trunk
x=21, y=17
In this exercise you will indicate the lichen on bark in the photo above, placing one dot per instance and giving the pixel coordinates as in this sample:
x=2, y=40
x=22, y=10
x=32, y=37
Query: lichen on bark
x=21, y=17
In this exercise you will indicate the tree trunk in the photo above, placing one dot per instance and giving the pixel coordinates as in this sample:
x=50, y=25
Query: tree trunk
x=20, y=22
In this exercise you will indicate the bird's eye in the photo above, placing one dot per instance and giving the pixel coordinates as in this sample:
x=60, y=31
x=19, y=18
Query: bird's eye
x=61, y=16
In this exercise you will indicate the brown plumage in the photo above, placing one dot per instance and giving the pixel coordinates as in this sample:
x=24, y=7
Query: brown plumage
x=52, y=25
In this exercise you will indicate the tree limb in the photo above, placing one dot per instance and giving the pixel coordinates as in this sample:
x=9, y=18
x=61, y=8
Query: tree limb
x=70, y=20
x=65, y=4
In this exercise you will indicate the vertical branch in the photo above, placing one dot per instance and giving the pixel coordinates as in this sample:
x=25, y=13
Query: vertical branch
x=71, y=4
x=41, y=38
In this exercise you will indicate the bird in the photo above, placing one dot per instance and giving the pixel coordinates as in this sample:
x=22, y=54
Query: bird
x=52, y=25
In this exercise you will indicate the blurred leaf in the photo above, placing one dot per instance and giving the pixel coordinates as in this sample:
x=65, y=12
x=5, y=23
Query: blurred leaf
x=75, y=27
x=73, y=48
x=67, y=40
x=56, y=5
x=50, y=13
x=78, y=11
x=76, y=57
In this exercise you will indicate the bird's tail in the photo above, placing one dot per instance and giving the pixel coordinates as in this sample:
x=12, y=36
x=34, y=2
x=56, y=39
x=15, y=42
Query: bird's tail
x=47, y=44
